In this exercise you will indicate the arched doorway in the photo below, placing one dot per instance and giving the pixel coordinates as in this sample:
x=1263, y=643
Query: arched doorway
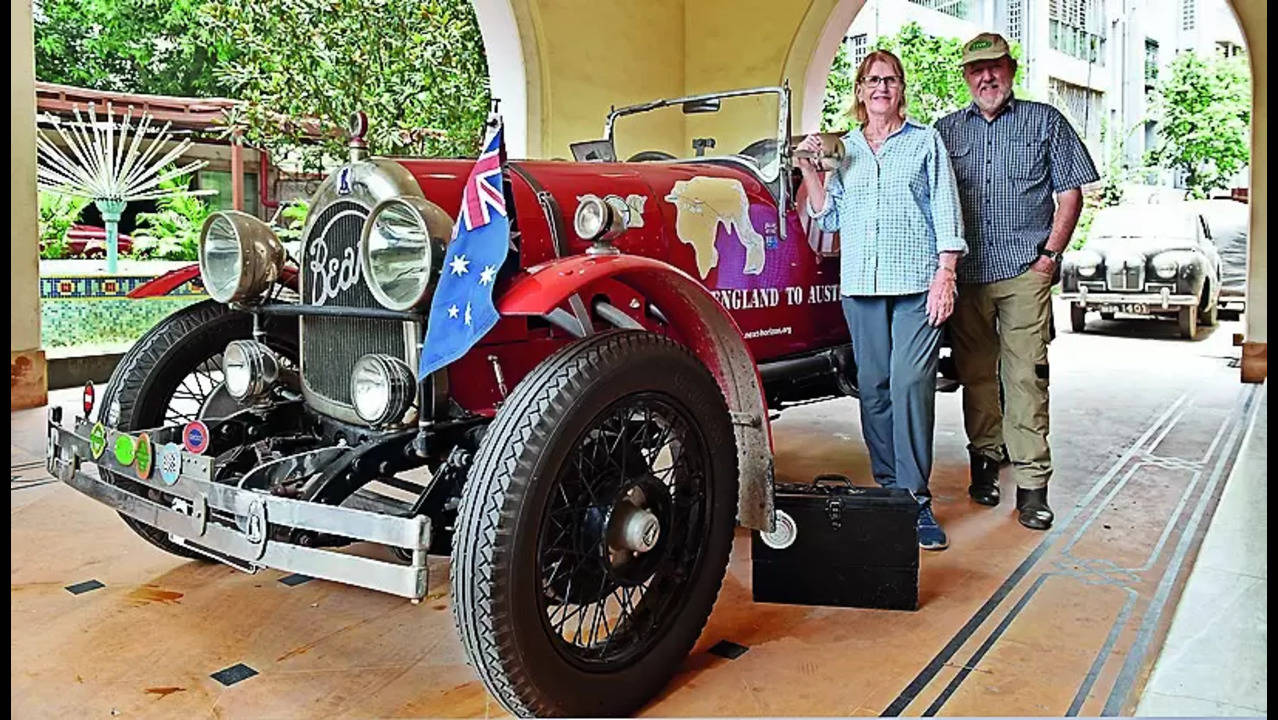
x=513, y=74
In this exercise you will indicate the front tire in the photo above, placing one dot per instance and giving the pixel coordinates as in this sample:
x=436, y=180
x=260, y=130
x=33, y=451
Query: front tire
x=172, y=375
x=1209, y=316
x=1187, y=318
x=611, y=423
x=1078, y=318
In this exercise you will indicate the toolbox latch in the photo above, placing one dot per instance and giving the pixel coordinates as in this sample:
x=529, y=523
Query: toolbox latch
x=834, y=511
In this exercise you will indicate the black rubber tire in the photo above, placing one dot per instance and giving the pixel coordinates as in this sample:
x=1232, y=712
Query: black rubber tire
x=1209, y=317
x=1187, y=318
x=149, y=373
x=495, y=584
x=1078, y=318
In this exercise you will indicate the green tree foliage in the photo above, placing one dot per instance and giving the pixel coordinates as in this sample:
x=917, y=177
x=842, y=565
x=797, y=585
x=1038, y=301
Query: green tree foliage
x=58, y=213
x=141, y=46
x=838, y=91
x=290, y=220
x=1203, y=109
x=172, y=232
x=934, y=78
x=416, y=67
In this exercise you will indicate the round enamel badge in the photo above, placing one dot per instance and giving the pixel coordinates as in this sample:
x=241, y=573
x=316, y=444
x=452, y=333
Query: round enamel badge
x=196, y=437
x=168, y=457
x=144, y=456
x=125, y=449
x=97, y=440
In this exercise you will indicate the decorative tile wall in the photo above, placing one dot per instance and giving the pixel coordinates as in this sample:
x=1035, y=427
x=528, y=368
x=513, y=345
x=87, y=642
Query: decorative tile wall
x=95, y=309
x=102, y=321
x=99, y=286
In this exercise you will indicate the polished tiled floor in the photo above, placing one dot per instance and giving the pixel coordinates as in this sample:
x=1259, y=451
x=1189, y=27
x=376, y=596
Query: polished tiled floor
x=1012, y=622
x=1214, y=661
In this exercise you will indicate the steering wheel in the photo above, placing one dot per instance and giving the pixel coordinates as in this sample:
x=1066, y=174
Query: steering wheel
x=761, y=150
x=764, y=154
x=650, y=156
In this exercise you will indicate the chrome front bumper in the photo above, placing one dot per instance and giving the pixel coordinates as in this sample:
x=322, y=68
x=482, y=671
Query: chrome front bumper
x=194, y=497
x=1156, y=301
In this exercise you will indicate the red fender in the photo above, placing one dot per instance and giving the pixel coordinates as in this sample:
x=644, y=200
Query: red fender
x=173, y=279
x=710, y=332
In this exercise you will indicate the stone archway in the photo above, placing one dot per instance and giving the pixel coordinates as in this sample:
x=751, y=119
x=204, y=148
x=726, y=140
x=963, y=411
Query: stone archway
x=817, y=39
x=514, y=73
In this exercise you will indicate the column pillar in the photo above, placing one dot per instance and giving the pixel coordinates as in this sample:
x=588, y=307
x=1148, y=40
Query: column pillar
x=27, y=369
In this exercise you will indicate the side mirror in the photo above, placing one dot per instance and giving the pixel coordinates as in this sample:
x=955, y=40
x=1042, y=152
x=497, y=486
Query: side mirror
x=693, y=107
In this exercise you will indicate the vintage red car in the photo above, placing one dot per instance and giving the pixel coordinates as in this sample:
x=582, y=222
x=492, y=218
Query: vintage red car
x=587, y=461
x=90, y=242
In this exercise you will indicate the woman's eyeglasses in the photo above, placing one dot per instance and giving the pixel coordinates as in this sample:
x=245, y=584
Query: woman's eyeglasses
x=888, y=81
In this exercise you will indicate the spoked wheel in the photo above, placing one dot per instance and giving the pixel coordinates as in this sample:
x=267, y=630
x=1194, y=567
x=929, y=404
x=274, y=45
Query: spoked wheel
x=595, y=527
x=173, y=375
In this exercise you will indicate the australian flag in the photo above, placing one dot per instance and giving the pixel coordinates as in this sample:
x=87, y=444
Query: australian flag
x=462, y=311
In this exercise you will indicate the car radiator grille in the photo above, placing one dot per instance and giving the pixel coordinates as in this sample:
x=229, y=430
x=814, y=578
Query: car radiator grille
x=1126, y=278
x=331, y=345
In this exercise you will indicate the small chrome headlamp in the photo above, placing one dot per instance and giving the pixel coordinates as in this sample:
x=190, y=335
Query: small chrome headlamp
x=596, y=219
x=239, y=256
x=382, y=389
x=249, y=370
x=402, y=250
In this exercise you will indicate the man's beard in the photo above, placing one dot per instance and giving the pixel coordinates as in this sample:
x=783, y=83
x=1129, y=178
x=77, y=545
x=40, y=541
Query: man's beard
x=989, y=107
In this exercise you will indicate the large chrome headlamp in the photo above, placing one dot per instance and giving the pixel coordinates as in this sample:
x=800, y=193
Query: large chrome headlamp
x=1084, y=261
x=382, y=389
x=239, y=256
x=1165, y=267
x=402, y=250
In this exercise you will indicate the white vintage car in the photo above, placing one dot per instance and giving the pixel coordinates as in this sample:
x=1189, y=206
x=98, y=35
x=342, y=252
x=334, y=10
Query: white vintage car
x=1154, y=260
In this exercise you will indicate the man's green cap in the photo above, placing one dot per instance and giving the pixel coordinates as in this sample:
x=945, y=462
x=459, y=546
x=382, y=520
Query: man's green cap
x=986, y=46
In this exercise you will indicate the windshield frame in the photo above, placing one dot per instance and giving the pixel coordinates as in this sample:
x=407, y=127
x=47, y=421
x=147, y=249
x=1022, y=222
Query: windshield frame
x=784, y=158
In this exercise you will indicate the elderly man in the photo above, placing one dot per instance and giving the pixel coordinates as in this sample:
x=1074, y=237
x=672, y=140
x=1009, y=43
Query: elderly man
x=1020, y=167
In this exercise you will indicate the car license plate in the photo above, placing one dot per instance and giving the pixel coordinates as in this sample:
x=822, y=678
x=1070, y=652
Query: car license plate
x=1134, y=308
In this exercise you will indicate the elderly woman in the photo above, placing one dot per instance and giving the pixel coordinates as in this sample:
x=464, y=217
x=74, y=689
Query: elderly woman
x=894, y=202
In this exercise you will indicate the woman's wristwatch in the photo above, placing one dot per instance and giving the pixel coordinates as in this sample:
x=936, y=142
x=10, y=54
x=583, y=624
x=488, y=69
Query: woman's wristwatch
x=1050, y=255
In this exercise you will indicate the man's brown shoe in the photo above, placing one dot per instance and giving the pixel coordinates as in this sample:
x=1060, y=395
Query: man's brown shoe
x=1032, y=509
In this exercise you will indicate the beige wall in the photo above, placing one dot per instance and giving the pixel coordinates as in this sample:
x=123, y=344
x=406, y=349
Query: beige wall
x=591, y=55
x=597, y=54
x=24, y=323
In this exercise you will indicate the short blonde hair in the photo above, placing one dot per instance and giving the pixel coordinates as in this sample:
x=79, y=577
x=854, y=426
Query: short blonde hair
x=857, y=109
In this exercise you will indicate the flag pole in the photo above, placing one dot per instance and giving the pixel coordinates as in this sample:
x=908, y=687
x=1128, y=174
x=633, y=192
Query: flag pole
x=494, y=120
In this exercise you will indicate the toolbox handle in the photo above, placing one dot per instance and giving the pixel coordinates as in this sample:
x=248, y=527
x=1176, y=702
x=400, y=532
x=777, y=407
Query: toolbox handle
x=832, y=479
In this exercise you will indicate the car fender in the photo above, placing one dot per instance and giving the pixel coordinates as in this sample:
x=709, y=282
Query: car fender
x=706, y=328
x=173, y=279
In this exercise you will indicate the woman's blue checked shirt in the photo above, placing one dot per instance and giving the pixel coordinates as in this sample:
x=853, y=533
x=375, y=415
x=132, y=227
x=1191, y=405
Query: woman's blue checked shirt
x=894, y=212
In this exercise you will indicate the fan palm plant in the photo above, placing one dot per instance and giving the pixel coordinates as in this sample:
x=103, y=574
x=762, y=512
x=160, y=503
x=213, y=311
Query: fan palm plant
x=112, y=165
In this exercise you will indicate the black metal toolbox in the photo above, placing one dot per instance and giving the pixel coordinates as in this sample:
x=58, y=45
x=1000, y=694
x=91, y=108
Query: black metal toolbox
x=839, y=544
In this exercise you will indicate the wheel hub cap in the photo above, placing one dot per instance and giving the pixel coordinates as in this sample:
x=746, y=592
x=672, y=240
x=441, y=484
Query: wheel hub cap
x=634, y=528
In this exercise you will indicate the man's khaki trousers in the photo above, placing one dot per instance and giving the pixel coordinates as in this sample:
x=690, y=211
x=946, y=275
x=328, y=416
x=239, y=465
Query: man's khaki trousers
x=1001, y=329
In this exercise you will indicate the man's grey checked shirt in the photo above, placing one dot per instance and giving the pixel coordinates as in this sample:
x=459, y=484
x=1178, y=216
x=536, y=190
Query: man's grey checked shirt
x=894, y=212
x=1008, y=170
